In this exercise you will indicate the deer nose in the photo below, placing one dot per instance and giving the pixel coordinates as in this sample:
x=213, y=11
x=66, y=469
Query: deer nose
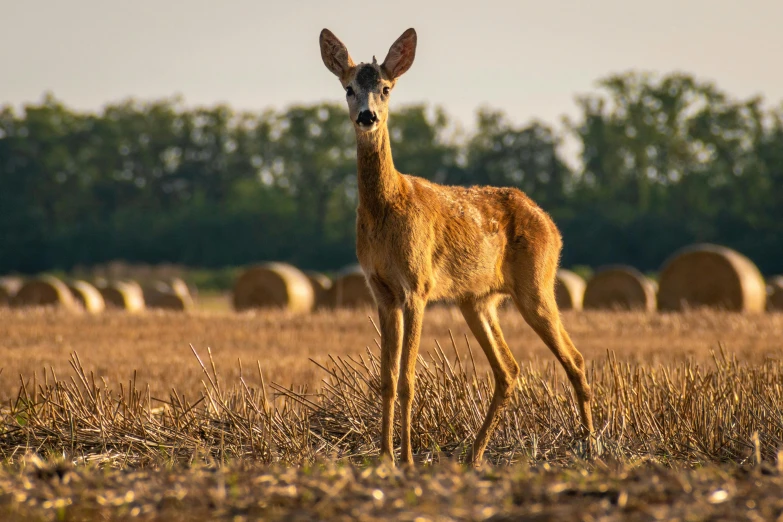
x=367, y=118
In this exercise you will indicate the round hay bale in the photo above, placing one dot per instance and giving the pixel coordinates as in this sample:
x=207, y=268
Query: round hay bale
x=321, y=285
x=9, y=286
x=87, y=296
x=181, y=288
x=171, y=301
x=44, y=291
x=569, y=290
x=350, y=290
x=273, y=285
x=711, y=276
x=775, y=294
x=167, y=296
x=123, y=295
x=619, y=287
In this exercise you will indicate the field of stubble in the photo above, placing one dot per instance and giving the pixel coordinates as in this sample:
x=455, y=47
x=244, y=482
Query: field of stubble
x=156, y=345
x=114, y=416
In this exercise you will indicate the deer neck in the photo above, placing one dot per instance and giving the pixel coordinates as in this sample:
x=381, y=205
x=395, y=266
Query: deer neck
x=378, y=179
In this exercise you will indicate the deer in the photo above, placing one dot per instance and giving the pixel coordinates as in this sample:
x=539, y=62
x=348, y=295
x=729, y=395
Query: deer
x=418, y=241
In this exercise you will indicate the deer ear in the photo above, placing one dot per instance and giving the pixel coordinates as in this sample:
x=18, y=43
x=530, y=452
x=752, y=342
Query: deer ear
x=401, y=55
x=334, y=53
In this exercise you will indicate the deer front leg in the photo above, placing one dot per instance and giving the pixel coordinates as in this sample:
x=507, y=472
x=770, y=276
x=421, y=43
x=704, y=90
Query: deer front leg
x=391, y=341
x=413, y=315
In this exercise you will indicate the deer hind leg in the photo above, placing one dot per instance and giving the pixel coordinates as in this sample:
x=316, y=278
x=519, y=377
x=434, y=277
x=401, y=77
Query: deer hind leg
x=481, y=316
x=534, y=296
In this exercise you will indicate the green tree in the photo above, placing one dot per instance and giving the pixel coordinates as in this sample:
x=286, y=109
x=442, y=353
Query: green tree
x=526, y=157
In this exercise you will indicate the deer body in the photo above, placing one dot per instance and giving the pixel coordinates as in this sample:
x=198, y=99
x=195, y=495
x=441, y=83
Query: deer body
x=418, y=241
x=443, y=243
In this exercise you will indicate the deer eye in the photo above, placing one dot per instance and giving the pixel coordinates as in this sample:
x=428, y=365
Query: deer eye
x=385, y=91
x=349, y=91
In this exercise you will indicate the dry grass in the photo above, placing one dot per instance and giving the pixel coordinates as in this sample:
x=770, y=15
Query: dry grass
x=137, y=398
x=154, y=344
x=686, y=414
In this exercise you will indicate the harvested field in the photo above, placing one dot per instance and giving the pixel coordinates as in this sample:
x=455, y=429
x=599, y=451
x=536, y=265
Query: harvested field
x=155, y=344
x=146, y=428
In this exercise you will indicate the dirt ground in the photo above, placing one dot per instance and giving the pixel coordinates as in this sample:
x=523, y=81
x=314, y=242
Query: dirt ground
x=444, y=492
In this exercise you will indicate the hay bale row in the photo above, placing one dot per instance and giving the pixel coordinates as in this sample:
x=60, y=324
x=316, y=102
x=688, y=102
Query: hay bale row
x=280, y=285
x=128, y=296
x=697, y=276
x=51, y=292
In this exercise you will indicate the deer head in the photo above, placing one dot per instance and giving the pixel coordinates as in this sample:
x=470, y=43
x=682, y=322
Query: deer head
x=368, y=85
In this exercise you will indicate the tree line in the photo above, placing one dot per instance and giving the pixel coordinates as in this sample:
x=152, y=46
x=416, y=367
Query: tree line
x=665, y=161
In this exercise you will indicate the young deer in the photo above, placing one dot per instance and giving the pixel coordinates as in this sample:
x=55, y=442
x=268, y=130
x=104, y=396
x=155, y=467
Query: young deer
x=418, y=241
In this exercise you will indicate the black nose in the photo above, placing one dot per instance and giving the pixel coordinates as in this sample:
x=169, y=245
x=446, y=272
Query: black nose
x=366, y=118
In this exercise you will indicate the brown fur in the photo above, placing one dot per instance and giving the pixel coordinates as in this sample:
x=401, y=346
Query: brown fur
x=418, y=241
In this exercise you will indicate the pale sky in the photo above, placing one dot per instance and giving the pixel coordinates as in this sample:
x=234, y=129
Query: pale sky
x=527, y=58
